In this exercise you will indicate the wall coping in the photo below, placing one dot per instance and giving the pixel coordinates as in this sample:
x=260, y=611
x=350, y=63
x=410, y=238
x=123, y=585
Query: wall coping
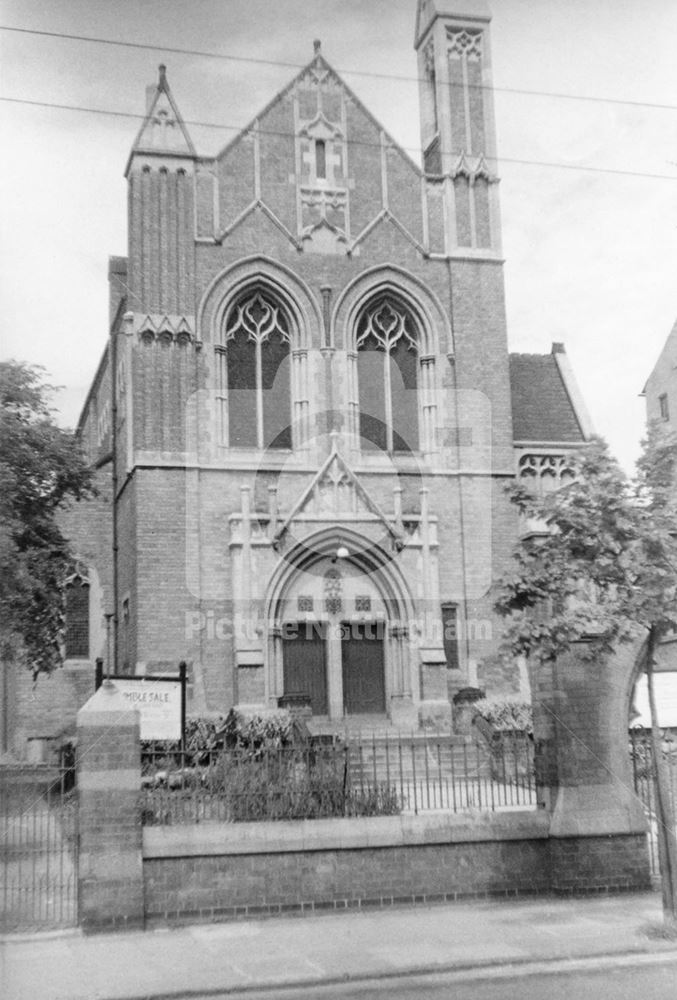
x=214, y=838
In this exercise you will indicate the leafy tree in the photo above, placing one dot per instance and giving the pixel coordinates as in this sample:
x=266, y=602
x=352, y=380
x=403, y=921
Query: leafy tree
x=603, y=567
x=41, y=468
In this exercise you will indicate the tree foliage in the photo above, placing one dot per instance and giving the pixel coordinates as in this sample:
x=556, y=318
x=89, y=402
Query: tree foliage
x=602, y=562
x=603, y=567
x=41, y=468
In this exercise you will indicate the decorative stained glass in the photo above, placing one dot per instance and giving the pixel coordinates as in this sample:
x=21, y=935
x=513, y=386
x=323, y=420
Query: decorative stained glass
x=333, y=592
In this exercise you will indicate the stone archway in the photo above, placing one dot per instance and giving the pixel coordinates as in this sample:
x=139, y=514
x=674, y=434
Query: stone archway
x=583, y=770
x=340, y=627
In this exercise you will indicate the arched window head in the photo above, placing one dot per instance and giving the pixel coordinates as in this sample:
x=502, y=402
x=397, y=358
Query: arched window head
x=253, y=372
x=387, y=369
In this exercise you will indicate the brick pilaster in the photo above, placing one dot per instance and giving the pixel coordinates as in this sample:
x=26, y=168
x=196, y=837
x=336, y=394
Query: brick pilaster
x=110, y=881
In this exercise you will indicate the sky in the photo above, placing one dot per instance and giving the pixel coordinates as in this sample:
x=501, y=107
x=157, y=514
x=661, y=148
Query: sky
x=586, y=112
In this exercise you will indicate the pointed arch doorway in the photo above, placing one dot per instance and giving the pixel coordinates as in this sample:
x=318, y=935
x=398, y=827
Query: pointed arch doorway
x=337, y=635
x=312, y=649
x=333, y=629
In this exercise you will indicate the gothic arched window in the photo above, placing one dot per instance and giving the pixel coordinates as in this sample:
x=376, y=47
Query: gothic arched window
x=387, y=373
x=253, y=375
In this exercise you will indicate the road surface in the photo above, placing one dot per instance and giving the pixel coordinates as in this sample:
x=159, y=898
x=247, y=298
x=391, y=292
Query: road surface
x=649, y=977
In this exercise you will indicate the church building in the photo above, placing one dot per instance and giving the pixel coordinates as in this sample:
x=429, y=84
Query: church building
x=306, y=414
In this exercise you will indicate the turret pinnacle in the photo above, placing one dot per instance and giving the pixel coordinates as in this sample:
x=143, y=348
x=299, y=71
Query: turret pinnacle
x=163, y=129
x=428, y=10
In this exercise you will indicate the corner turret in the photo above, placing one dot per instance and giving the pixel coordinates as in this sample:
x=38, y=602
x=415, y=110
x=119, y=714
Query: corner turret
x=163, y=132
x=458, y=134
x=160, y=173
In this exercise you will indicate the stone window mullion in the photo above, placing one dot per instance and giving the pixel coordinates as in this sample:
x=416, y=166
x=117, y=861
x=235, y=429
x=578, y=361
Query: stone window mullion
x=353, y=400
x=387, y=377
x=428, y=404
x=259, y=396
x=300, y=396
x=222, y=394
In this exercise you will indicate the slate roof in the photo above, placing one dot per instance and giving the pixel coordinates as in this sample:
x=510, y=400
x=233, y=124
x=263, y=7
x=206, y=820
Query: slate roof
x=542, y=409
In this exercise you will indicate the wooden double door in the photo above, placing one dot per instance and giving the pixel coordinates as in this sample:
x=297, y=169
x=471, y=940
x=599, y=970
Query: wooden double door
x=311, y=648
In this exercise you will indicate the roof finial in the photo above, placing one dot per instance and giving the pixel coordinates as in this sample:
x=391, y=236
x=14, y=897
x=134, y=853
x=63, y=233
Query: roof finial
x=162, y=82
x=317, y=45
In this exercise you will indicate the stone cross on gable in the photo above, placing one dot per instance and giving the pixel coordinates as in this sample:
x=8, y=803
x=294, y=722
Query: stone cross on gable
x=163, y=122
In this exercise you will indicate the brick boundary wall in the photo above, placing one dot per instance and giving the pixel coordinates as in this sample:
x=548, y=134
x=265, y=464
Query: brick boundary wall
x=222, y=888
x=210, y=888
x=227, y=871
x=589, y=835
x=589, y=864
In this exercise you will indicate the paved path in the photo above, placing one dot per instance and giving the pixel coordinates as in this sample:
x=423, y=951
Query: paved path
x=217, y=958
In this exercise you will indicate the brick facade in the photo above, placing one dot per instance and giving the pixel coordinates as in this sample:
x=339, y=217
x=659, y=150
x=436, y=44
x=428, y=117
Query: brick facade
x=314, y=207
x=39, y=713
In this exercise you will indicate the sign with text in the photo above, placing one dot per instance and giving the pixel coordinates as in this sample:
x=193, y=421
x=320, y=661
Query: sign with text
x=159, y=703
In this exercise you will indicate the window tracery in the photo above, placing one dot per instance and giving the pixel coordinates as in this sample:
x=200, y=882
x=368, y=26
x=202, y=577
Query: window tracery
x=333, y=592
x=393, y=392
x=253, y=378
x=544, y=473
x=465, y=43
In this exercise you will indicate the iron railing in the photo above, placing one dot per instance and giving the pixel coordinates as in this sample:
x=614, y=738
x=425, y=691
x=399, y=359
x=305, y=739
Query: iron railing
x=38, y=847
x=355, y=776
x=641, y=756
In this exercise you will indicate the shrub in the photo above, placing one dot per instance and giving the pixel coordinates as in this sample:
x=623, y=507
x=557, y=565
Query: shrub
x=298, y=787
x=506, y=714
x=265, y=784
x=265, y=731
x=468, y=695
x=206, y=737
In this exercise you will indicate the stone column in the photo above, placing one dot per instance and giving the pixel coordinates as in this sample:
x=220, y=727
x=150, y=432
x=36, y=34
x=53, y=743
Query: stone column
x=110, y=880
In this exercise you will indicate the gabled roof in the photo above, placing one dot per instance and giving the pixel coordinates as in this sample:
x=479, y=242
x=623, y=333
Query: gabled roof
x=163, y=129
x=319, y=65
x=668, y=351
x=336, y=460
x=546, y=405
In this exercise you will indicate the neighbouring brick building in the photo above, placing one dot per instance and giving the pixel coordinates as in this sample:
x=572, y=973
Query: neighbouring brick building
x=660, y=391
x=306, y=414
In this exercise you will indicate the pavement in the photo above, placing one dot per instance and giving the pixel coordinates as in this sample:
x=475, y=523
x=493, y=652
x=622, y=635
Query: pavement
x=284, y=952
